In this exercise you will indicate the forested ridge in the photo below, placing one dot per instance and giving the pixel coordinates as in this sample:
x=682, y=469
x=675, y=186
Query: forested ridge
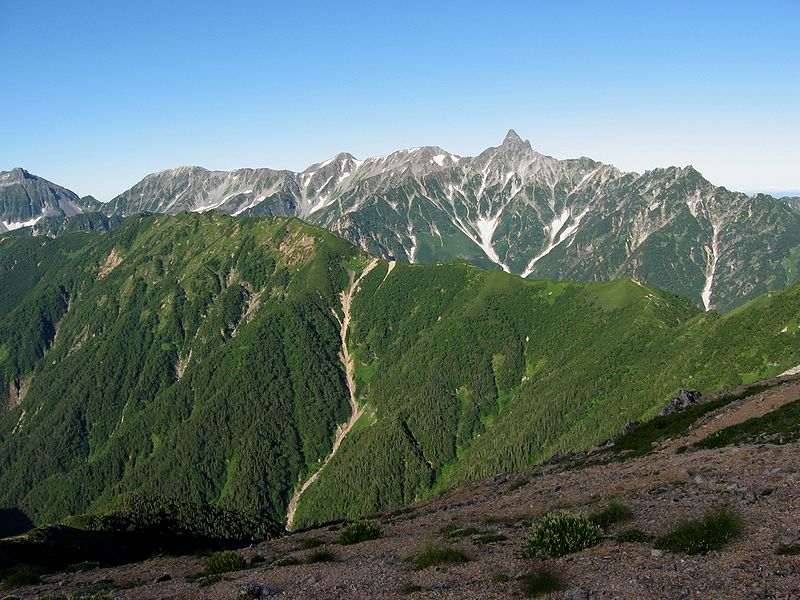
x=196, y=357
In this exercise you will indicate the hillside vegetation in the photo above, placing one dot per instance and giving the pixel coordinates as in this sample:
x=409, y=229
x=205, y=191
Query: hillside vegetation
x=197, y=357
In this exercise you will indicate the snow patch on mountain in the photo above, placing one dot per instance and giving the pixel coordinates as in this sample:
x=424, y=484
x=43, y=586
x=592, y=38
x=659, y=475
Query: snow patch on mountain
x=12, y=225
x=557, y=235
x=712, y=268
x=412, y=253
x=245, y=207
x=486, y=227
x=321, y=203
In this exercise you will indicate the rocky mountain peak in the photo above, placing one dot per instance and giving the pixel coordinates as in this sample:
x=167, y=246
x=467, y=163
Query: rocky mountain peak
x=15, y=175
x=512, y=140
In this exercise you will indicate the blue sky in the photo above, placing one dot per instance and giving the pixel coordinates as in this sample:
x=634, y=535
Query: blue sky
x=95, y=95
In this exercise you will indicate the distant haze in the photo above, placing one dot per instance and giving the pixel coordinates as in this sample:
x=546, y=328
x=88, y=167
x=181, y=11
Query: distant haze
x=97, y=95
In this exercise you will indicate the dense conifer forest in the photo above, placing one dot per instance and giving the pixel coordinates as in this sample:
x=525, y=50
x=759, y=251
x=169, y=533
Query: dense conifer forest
x=197, y=357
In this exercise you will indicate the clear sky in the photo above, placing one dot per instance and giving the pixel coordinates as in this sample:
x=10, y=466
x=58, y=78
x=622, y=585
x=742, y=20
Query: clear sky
x=96, y=94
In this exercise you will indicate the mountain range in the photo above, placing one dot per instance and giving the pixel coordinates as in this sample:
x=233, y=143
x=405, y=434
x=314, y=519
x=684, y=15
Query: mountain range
x=268, y=367
x=508, y=208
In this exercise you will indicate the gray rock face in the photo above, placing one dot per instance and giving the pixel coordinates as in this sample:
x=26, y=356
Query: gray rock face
x=515, y=209
x=253, y=590
x=26, y=198
x=576, y=593
x=682, y=401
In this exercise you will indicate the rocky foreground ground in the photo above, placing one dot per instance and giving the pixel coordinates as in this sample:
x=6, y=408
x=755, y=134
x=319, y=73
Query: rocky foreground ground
x=759, y=481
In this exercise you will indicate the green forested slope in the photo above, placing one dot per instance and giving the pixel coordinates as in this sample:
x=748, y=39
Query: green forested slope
x=197, y=357
x=108, y=409
x=478, y=373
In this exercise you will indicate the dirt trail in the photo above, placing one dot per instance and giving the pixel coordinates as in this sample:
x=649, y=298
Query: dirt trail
x=348, y=362
x=737, y=412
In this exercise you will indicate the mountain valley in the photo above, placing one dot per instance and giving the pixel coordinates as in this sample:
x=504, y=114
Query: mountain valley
x=201, y=357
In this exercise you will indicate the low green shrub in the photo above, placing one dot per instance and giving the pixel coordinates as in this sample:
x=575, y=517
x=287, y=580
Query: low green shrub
x=633, y=535
x=509, y=520
x=559, y=534
x=543, y=582
x=210, y=580
x=437, y=555
x=614, y=512
x=500, y=578
x=410, y=588
x=224, y=562
x=713, y=531
x=360, y=531
x=321, y=555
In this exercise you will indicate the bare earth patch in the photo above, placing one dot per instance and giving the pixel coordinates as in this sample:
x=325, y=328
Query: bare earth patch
x=112, y=262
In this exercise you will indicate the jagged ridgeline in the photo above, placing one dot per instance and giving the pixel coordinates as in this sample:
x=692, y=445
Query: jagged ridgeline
x=509, y=208
x=198, y=357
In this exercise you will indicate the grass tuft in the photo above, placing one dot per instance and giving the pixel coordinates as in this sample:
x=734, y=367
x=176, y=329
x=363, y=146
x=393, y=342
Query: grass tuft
x=360, y=531
x=81, y=596
x=284, y=561
x=614, y=512
x=224, y=562
x=434, y=555
x=489, y=538
x=518, y=484
x=538, y=584
x=82, y=567
x=633, y=536
x=788, y=550
x=256, y=560
x=321, y=555
x=20, y=577
x=713, y=531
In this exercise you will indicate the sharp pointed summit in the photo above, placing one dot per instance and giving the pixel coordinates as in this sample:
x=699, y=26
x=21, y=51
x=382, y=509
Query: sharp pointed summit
x=512, y=140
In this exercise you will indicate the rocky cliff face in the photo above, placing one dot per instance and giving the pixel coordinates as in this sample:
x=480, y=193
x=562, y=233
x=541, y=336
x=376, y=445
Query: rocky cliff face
x=26, y=198
x=513, y=208
x=510, y=208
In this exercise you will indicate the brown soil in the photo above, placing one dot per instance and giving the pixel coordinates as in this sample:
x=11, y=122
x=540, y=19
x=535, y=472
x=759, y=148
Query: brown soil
x=112, y=262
